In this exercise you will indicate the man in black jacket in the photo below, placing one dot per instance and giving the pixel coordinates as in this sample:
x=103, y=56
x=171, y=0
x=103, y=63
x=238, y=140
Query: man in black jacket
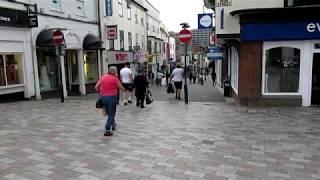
x=140, y=84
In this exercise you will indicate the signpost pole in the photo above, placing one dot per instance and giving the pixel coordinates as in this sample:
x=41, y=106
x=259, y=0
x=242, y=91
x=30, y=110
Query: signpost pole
x=60, y=77
x=186, y=98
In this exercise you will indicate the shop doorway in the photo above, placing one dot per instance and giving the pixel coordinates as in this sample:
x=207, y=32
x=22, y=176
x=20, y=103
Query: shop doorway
x=315, y=95
x=72, y=73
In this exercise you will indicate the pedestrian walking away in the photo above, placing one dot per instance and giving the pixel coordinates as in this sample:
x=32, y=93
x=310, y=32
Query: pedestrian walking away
x=108, y=86
x=214, y=76
x=127, y=82
x=177, y=77
x=140, y=85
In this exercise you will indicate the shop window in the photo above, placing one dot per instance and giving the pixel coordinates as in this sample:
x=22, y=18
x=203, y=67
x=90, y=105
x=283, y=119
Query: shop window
x=282, y=70
x=11, y=69
x=91, y=66
x=56, y=5
x=234, y=69
x=48, y=72
x=80, y=8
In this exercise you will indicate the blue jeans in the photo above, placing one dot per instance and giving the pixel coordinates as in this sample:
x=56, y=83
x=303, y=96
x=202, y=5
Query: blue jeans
x=110, y=103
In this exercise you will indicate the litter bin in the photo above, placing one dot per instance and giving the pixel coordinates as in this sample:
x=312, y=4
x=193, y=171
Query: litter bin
x=227, y=88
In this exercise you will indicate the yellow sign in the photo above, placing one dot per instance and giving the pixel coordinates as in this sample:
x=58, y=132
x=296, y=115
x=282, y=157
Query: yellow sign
x=223, y=3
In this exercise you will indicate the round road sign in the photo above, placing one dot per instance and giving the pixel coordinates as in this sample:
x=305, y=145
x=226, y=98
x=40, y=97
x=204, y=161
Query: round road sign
x=185, y=35
x=58, y=37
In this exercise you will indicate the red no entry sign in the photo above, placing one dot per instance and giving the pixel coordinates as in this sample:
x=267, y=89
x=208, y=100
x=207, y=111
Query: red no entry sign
x=58, y=37
x=185, y=36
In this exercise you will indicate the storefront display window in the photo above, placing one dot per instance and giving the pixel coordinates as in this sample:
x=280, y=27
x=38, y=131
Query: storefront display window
x=48, y=72
x=91, y=66
x=11, y=69
x=282, y=70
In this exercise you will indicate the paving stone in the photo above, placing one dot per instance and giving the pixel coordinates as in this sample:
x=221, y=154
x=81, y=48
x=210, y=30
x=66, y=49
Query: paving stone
x=166, y=140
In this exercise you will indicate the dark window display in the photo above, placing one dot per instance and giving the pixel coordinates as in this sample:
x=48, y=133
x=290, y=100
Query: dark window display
x=282, y=70
x=91, y=66
x=48, y=72
x=11, y=69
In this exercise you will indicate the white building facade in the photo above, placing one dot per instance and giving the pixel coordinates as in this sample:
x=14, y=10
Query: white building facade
x=81, y=65
x=16, y=63
x=282, y=66
x=124, y=33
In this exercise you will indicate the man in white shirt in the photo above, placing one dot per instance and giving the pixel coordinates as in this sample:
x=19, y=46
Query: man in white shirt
x=177, y=76
x=127, y=82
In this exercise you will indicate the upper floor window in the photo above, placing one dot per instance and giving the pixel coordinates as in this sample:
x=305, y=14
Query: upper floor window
x=137, y=39
x=80, y=7
x=136, y=18
x=120, y=8
x=56, y=5
x=153, y=29
x=130, y=41
x=121, y=40
x=129, y=13
x=147, y=26
x=301, y=2
x=142, y=22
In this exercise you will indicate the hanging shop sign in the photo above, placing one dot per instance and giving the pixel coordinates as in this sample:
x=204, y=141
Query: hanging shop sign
x=223, y=3
x=119, y=57
x=17, y=18
x=204, y=21
x=215, y=53
x=111, y=32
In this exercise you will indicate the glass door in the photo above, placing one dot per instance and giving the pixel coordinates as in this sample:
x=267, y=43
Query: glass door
x=315, y=95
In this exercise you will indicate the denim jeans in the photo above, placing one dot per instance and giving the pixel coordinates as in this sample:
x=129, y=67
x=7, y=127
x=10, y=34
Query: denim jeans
x=110, y=103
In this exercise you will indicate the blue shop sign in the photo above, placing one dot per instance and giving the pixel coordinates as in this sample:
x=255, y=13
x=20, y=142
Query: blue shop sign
x=281, y=31
x=204, y=21
x=215, y=53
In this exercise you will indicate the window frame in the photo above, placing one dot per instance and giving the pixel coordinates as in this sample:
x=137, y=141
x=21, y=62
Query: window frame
x=270, y=45
x=22, y=67
x=129, y=41
x=129, y=12
x=234, y=79
x=121, y=39
x=83, y=8
x=120, y=8
x=59, y=9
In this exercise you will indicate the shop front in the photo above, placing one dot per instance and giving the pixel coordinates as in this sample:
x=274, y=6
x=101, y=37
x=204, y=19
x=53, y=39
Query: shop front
x=119, y=58
x=93, y=66
x=282, y=67
x=16, y=78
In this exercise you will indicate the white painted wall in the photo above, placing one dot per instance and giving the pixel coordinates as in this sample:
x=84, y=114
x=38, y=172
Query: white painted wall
x=231, y=23
x=125, y=24
x=17, y=40
x=68, y=9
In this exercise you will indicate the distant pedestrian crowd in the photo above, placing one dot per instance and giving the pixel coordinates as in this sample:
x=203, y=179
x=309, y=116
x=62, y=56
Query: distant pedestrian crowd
x=111, y=83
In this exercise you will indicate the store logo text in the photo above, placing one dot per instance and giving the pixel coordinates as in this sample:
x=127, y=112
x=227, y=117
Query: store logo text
x=7, y=19
x=313, y=27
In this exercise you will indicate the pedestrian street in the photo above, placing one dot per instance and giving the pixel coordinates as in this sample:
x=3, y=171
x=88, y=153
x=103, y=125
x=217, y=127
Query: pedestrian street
x=166, y=140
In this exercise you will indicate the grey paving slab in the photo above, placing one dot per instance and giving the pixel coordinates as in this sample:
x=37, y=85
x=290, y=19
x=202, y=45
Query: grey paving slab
x=166, y=140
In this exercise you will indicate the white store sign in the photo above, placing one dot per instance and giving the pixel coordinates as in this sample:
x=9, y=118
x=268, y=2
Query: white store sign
x=119, y=57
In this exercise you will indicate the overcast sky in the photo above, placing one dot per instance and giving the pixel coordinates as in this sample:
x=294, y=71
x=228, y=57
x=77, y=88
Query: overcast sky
x=174, y=12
